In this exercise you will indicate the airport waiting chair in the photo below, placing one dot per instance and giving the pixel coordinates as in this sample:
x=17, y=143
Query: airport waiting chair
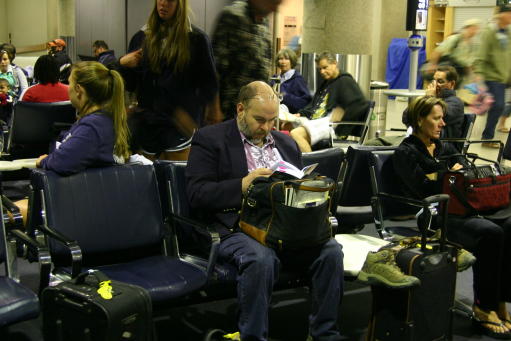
x=110, y=219
x=222, y=276
x=353, y=209
x=17, y=302
x=35, y=125
x=462, y=143
x=360, y=130
x=388, y=201
x=192, y=236
x=329, y=164
x=328, y=160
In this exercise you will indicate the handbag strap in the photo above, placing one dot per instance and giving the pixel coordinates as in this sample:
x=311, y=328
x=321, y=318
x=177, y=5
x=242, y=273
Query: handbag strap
x=459, y=195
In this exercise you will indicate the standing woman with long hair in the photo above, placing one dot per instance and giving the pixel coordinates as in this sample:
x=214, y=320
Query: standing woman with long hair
x=170, y=67
x=100, y=135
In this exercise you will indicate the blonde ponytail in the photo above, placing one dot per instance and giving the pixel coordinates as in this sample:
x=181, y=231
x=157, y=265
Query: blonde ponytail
x=105, y=88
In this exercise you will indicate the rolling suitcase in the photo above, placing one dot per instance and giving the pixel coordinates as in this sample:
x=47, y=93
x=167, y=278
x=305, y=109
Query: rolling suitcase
x=420, y=313
x=86, y=309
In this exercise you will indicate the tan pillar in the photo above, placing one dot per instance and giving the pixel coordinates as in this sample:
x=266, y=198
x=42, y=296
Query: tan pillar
x=340, y=26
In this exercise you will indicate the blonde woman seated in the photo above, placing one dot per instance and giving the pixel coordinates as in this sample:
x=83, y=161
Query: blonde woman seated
x=338, y=98
x=99, y=137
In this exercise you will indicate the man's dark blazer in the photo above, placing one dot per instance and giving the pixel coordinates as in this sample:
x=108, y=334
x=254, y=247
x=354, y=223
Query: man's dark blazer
x=216, y=165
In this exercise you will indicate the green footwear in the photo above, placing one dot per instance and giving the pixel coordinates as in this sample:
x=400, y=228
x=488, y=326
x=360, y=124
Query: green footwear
x=381, y=268
x=464, y=260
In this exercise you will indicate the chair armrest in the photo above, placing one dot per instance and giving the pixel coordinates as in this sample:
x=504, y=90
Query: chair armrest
x=42, y=252
x=351, y=123
x=501, y=147
x=415, y=202
x=71, y=245
x=13, y=209
x=213, y=234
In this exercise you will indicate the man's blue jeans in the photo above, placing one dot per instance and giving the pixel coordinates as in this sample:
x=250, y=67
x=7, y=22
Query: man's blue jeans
x=258, y=270
x=498, y=90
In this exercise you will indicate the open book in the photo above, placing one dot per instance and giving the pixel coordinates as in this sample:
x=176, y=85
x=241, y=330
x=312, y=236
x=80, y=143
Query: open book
x=285, y=167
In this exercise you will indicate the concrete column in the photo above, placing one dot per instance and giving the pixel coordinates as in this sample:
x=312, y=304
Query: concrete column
x=66, y=18
x=354, y=27
x=340, y=26
x=52, y=15
x=4, y=36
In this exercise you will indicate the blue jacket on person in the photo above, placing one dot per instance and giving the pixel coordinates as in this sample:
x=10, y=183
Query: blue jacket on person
x=89, y=143
x=107, y=57
x=296, y=93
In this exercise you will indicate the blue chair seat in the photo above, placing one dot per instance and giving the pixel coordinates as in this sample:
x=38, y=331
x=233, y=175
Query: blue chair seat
x=17, y=303
x=177, y=278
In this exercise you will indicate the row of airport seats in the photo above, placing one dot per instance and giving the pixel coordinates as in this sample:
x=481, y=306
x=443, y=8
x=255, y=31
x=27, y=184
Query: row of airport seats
x=126, y=221
x=133, y=222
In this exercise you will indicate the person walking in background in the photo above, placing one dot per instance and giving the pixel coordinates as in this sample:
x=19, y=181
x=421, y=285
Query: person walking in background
x=170, y=66
x=458, y=50
x=242, y=48
x=493, y=66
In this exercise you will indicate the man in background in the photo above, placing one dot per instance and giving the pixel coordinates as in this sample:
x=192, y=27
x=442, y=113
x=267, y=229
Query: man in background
x=242, y=48
x=104, y=55
x=443, y=85
x=493, y=66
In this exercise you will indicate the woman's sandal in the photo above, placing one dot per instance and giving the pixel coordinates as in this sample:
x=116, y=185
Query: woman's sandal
x=480, y=325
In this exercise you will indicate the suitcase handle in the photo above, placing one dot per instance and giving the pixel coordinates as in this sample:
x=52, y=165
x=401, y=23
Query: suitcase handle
x=98, y=275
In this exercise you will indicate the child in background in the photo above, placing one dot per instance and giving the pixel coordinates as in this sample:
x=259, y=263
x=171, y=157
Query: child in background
x=5, y=101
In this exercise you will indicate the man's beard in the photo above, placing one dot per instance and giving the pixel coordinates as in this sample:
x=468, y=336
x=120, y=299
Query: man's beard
x=243, y=127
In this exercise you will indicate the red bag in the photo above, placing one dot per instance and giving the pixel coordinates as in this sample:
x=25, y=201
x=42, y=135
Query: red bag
x=471, y=195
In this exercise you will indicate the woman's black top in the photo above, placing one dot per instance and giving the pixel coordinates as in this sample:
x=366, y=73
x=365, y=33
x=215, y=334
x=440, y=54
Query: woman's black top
x=412, y=162
x=191, y=89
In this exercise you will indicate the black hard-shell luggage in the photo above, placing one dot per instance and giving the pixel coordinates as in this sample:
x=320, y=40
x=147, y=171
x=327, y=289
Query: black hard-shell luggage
x=421, y=313
x=77, y=310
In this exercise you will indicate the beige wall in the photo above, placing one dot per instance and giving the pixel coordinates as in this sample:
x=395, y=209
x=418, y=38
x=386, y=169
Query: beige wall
x=340, y=26
x=292, y=8
x=354, y=27
x=27, y=21
x=3, y=22
x=33, y=22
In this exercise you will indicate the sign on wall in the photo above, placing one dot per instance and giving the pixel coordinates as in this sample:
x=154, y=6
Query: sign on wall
x=290, y=29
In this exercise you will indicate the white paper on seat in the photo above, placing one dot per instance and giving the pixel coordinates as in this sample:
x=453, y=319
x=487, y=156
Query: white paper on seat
x=355, y=248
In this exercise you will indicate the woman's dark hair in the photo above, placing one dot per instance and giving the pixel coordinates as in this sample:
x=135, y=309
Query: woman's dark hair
x=450, y=73
x=10, y=49
x=46, y=70
x=421, y=107
x=100, y=44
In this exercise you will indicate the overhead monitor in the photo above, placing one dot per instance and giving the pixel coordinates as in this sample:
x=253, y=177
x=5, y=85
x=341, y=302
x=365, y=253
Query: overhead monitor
x=417, y=15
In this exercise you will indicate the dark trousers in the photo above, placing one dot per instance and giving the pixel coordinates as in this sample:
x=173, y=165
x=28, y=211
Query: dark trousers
x=498, y=90
x=258, y=270
x=490, y=242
